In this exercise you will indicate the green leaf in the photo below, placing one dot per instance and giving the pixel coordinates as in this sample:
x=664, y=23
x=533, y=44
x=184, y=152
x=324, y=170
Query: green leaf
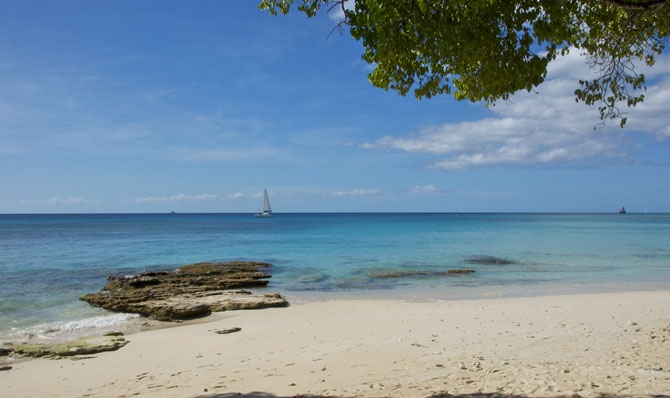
x=486, y=50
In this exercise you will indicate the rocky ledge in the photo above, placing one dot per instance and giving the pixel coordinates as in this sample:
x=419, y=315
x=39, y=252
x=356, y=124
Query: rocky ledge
x=191, y=291
x=403, y=274
x=82, y=346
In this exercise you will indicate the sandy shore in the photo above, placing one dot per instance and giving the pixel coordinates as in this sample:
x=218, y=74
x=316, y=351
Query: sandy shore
x=592, y=345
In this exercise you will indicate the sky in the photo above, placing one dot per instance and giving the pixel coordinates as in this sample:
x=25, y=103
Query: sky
x=156, y=106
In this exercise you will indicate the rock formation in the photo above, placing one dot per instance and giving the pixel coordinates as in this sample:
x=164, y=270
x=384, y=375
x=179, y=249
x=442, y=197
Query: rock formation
x=82, y=346
x=191, y=291
x=488, y=260
x=459, y=271
x=405, y=274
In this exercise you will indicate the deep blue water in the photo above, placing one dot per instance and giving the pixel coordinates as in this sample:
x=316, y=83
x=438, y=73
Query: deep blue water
x=48, y=261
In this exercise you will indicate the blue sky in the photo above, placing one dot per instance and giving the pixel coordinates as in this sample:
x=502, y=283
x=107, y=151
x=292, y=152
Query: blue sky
x=153, y=106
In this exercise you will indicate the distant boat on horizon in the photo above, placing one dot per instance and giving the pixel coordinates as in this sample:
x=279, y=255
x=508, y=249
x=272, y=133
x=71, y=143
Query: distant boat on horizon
x=267, y=210
x=623, y=210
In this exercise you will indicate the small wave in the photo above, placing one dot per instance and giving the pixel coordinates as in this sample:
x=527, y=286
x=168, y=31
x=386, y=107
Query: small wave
x=56, y=330
x=97, y=322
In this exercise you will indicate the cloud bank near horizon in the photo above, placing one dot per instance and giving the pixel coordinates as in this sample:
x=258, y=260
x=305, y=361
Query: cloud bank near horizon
x=358, y=192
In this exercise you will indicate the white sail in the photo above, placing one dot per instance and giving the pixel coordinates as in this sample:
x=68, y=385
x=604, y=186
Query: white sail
x=267, y=210
x=266, y=203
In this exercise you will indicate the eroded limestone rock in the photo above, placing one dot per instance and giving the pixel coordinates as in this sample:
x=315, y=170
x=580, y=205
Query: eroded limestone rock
x=191, y=291
x=82, y=346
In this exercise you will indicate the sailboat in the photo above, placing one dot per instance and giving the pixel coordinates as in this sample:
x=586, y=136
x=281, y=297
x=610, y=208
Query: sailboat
x=267, y=210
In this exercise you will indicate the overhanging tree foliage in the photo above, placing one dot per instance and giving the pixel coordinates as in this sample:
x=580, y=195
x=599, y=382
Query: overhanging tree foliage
x=485, y=50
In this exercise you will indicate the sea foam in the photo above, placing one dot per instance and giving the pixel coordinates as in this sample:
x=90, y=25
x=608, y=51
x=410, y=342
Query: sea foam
x=60, y=330
x=95, y=322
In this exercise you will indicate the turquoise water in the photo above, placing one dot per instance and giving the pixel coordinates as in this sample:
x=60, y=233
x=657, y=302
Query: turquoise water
x=48, y=261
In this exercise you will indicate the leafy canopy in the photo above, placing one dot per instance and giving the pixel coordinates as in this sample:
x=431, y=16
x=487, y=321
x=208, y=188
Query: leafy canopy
x=485, y=50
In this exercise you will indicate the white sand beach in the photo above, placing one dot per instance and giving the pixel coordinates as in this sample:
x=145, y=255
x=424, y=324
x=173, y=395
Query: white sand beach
x=612, y=344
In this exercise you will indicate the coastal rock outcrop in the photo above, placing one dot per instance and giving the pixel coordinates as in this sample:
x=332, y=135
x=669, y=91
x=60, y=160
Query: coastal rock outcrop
x=4, y=351
x=82, y=346
x=459, y=271
x=488, y=260
x=398, y=274
x=405, y=274
x=191, y=291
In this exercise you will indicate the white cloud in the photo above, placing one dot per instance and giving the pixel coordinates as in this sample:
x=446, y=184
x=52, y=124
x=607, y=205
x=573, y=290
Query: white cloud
x=652, y=115
x=194, y=198
x=547, y=127
x=336, y=13
x=177, y=198
x=423, y=189
x=71, y=201
x=358, y=192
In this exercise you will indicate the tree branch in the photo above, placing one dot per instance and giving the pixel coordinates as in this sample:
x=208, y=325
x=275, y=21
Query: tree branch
x=649, y=5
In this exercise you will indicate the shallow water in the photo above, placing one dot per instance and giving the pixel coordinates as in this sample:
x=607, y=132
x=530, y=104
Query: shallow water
x=48, y=261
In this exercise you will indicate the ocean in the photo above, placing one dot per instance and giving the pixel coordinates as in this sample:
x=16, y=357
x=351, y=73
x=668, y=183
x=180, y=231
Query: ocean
x=48, y=261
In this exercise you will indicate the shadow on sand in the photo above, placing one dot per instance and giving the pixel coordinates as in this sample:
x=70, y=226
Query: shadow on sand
x=436, y=395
